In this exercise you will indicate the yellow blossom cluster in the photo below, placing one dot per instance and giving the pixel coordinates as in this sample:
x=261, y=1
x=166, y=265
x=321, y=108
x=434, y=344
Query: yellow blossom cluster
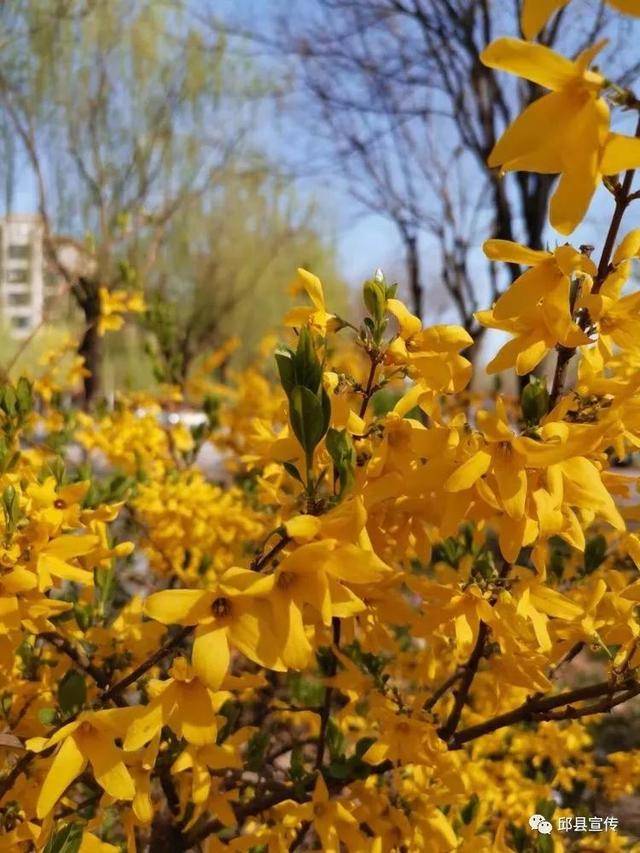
x=386, y=618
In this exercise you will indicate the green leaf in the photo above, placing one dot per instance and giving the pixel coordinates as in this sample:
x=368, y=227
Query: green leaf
x=9, y=400
x=544, y=844
x=72, y=691
x=84, y=615
x=286, y=369
x=468, y=812
x=363, y=745
x=296, y=765
x=307, y=691
x=211, y=407
x=308, y=370
x=47, y=716
x=534, y=400
x=307, y=418
x=24, y=396
x=519, y=836
x=10, y=463
x=340, y=447
x=335, y=741
x=325, y=660
x=326, y=411
x=256, y=749
x=66, y=840
x=595, y=552
x=105, y=585
x=292, y=471
x=546, y=808
x=374, y=294
x=29, y=660
x=339, y=769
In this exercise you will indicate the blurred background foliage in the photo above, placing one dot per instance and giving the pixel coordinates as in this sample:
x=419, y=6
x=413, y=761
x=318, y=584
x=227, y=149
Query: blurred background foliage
x=140, y=131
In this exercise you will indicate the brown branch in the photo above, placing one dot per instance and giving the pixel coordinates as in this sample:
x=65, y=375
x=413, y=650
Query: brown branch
x=264, y=559
x=325, y=713
x=368, y=392
x=254, y=807
x=573, y=652
x=468, y=674
x=440, y=691
x=156, y=657
x=469, y=670
x=537, y=709
x=622, y=202
x=300, y=835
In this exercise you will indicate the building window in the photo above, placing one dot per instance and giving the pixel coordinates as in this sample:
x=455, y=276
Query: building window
x=19, y=276
x=19, y=298
x=20, y=322
x=19, y=251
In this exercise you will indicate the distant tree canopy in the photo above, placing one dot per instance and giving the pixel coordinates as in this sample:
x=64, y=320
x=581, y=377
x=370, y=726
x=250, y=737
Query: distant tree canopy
x=136, y=123
x=227, y=255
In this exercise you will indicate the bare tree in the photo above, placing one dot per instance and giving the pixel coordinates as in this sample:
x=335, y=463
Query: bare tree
x=398, y=89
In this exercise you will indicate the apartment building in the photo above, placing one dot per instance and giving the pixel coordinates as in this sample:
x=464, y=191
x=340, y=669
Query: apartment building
x=27, y=288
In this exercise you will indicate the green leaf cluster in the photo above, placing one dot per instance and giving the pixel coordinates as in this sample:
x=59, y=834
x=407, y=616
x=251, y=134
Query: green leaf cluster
x=309, y=405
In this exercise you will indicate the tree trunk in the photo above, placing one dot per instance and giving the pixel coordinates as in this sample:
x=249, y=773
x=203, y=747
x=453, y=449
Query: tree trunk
x=90, y=347
x=413, y=272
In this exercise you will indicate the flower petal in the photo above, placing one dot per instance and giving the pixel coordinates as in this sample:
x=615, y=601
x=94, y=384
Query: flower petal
x=620, y=153
x=210, y=655
x=513, y=253
x=67, y=765
x=108, y=766
x=536, y=13
x=534, y=62
x=196, y=714
x=469, y=472
x=178, y=606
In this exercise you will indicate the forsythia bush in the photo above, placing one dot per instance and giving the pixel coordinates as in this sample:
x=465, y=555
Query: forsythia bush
x=357, y=640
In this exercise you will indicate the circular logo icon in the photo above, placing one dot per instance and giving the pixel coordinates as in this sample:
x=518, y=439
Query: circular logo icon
x=539, y=823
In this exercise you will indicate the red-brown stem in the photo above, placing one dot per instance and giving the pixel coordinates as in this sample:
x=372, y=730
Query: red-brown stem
x=370, y=380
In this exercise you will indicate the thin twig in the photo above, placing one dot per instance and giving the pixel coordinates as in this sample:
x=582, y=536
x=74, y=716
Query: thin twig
x=146, y=665
x=264, y=559
x=368, y=390
x=62, y=644
x=300, y=835
x=325, y=713
x=440, y=691
x=468, y=674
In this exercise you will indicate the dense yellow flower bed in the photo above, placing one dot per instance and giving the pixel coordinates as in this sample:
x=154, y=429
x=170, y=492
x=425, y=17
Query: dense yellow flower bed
x=361, y=636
